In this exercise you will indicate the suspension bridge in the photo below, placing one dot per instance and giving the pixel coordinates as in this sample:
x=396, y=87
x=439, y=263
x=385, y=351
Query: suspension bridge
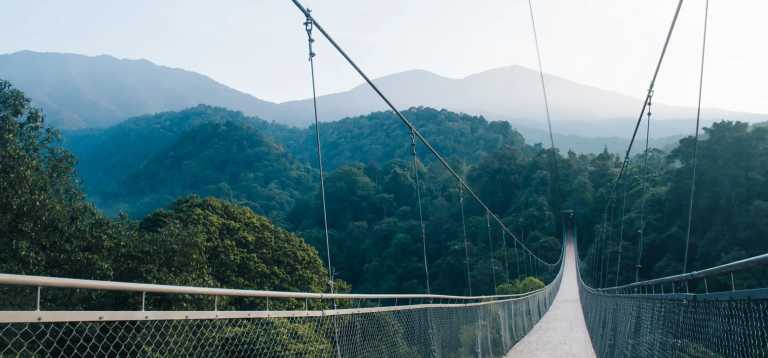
x=673, y=316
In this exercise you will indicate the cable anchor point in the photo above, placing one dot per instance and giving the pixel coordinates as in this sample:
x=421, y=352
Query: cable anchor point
x=309, y=25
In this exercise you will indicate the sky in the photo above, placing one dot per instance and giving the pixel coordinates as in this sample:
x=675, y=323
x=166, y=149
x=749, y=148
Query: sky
x=259, y=46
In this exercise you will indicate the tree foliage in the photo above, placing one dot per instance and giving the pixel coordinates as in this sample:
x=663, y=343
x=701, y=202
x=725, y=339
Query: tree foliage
x=48, y=228
x=259, y=168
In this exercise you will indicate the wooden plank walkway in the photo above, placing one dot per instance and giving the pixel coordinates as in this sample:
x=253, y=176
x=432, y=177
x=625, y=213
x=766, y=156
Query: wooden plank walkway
x=562, y=331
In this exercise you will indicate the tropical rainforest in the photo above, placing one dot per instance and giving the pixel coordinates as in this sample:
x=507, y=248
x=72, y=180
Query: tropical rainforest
x=210, y=197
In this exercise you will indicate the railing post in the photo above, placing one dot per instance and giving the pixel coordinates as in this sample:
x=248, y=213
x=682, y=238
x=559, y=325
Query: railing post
x=733, y=284
x=37, y=298
x=143, y=301
x=706, y=286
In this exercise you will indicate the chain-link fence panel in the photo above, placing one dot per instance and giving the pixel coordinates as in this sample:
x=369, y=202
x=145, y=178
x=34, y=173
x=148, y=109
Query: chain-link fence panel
x=677, y=325
x=485, y=329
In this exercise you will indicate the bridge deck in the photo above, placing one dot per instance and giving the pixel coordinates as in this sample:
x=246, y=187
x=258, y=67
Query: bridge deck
x=562, y=331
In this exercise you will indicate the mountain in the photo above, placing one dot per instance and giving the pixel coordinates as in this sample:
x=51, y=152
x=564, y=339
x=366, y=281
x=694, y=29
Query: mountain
x=510, y=93
x=78, y=91
x=108, y=153
x=379, y=137
x=228, y=160
x=143, y=163
x=95, y=92
x=107, y=157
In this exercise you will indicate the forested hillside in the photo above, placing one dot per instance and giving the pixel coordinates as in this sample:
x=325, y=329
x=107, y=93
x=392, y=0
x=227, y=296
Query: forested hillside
x=380, y=137
x=48, y=228
x=99, y=91
x=730, y=207
x=227, y=160
x=259, y=168
x=146, y=162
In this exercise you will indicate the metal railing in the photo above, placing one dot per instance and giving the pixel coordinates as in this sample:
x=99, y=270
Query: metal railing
x=644, y=319
x=402, y=325
x=648, y=286
x=144, y=288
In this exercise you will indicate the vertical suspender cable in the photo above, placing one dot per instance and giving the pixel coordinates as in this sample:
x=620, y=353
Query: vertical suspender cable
x=597, y=257
x=541, y=76
x=308, y=26
x=490, y=248
x=555, y=180
x=506, y=255
x=517, y=258
x=607, y=250
x=696, y=141
x=621, y=233
x=644, y=193
x=408, y=124
x=421, y=215
x=646, y=101
x=530, y=266
x=466, y=241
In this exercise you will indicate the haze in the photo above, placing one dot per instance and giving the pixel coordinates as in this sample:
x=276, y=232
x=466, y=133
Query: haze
x=260, y=46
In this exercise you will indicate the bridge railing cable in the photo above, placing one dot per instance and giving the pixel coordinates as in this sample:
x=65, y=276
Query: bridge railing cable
x=693, y=314
x=663, y=318
x=297, y=324
x=410, y=126
x=235, y=322
x=602, y=238
x=696, y=140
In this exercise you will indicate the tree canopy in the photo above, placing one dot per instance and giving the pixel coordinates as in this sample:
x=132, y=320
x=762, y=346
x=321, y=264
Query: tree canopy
x=48, y=228
x=215, y=198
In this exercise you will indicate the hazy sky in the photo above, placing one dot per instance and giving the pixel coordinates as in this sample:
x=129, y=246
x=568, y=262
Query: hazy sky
x=259, y=46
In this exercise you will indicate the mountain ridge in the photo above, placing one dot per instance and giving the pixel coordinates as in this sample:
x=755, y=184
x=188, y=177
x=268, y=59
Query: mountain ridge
x=510, y=93
x=79, y=91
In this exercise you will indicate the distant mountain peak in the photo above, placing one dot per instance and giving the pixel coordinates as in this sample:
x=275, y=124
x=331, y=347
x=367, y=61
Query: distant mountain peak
x=77, y=91
x=511, y=93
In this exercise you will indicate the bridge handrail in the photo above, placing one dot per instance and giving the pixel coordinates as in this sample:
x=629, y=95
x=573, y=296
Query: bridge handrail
x=740, y=265
x=58, y=282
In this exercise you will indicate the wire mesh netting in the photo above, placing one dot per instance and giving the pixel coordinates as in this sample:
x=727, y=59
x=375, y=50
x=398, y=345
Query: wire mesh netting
x=676, y=325
x=440, y=330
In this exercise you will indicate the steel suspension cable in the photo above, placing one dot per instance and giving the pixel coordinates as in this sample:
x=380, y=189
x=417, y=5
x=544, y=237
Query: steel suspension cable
x=506, y=255
x=599, y=243
x=606, y=246
x=607, y=255
x=530, y=266
x=696, y=139
x=466, y=240
x=555, y=182
x=422, y=228
x=646, y=102
x=541, y=75
x=647, y=98
x=490, y=248
x=644, y=193
x=411, y=127
x=308, y=26
x=603, y=246
x=621, y=233
x=517, y=259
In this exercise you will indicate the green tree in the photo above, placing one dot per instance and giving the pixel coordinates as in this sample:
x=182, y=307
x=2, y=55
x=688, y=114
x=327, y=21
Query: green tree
x=210, y=242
